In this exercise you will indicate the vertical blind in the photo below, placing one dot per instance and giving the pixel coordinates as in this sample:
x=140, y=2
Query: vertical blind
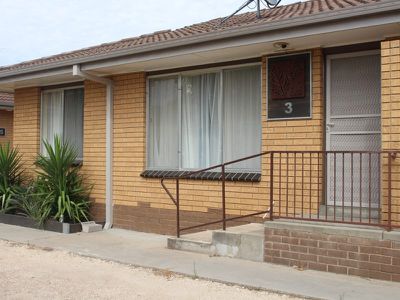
x=201, y=120
x=62, y=115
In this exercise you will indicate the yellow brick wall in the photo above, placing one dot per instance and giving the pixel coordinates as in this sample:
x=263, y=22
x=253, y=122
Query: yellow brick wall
x=129, y=142
x=130, y=190
x=27, y=125
x=94, y=139
x=6, y=121
x=391, y=123
x=130, y=161
x=27, y=133
x=293, y=191
x=242, y=198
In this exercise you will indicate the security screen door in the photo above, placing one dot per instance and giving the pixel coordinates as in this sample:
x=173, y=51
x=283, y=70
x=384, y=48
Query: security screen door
x=353, y=123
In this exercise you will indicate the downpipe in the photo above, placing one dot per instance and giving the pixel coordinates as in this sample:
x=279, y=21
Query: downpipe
x=76, y=71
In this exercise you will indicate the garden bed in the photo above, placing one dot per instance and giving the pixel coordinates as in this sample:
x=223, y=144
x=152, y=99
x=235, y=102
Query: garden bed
x=50, y=225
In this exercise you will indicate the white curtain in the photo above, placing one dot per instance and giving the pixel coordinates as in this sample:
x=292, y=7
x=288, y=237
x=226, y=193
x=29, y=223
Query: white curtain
x=214, y=125
x=242, y=117
x=163, y=124
x=201, y=121
x=73, y=119
x=52, y=116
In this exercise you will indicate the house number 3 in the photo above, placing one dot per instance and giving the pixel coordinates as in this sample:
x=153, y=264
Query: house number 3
x=289, y=107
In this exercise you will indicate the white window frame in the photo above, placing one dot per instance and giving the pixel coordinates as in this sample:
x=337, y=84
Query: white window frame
x=192, y=73
x=79, y=159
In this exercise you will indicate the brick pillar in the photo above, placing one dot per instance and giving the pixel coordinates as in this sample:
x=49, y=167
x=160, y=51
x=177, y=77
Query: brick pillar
x=27, y=125
x=390, y=68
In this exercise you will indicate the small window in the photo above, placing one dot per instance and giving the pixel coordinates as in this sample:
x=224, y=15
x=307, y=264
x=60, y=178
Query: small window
x=62, y=115
x=289, y=87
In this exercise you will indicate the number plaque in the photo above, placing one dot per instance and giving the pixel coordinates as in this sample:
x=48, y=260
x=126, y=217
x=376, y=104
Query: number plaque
x=289, y=86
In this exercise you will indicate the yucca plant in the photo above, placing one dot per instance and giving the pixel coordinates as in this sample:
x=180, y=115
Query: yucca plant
x=59, y=178
x=34, y=203
x=11, y=177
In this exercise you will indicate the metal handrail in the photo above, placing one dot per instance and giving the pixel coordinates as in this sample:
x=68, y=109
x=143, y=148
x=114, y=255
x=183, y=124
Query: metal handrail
x=391, y=154
x=187, y=175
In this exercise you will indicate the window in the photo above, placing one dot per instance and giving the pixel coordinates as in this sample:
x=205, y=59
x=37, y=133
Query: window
x=62, y=115
x=196, y=121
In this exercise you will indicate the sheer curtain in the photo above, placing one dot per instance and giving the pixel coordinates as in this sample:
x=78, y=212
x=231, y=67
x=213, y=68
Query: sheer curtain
x=73, y=119
x=242, y=117
x=208, y=125
x=163, y=124
x=52, y=116
x=201, y=121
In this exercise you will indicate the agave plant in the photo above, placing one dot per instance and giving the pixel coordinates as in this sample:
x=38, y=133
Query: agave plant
x=61, y=181
x=11, y=177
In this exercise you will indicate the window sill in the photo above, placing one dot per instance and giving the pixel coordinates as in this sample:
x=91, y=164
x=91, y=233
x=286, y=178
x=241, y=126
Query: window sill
x=229, y=176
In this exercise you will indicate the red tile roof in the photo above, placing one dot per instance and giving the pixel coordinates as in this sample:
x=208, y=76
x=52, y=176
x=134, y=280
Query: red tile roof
x=291, y=11
x=6, y=99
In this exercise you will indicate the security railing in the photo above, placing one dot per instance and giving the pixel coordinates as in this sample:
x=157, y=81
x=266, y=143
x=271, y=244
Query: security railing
x=351, y=187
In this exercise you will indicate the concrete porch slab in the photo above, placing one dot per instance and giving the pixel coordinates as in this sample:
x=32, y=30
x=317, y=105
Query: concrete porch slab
x=373, y=232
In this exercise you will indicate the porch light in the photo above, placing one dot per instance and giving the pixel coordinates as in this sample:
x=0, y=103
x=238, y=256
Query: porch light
x=281, y=45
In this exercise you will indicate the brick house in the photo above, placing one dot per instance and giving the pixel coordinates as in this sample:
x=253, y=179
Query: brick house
x=6, y=117
x=314, y=86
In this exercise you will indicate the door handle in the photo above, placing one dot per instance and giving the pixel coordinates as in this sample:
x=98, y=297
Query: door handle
x=330, y=124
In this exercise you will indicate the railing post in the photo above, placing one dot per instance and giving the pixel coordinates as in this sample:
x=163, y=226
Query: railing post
x=389, y=191
x=271, y=192
x=178, y=229
x=223, y=198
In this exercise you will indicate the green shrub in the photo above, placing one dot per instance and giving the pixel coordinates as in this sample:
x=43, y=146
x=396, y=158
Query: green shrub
x=11, y=177
x=60, y=181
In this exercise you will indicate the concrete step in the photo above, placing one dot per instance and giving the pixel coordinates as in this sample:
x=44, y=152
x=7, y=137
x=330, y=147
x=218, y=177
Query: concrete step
x=244, y=242
x=199, y=242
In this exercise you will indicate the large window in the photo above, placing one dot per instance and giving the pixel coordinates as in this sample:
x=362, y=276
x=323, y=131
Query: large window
x=199, y=120
x=62, y=115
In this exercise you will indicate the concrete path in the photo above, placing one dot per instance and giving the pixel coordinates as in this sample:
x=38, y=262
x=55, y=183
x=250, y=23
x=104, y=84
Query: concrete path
x=149, y=250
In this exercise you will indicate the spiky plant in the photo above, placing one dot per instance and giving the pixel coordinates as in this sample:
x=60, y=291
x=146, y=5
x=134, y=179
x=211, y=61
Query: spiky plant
x=59, y=178
x=34, y=203
x=11, y=176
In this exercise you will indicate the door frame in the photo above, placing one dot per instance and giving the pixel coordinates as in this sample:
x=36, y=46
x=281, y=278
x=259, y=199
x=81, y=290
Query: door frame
x=328, y=60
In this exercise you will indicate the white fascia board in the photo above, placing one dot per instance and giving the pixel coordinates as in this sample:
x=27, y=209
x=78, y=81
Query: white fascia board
x=247, y=40
x=388, y=6
x=37, y=75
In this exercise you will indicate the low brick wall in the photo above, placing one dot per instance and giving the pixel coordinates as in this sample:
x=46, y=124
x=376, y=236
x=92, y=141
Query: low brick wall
x=370, y=253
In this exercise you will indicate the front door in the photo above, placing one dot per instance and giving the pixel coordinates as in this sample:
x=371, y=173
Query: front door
x=353, y=123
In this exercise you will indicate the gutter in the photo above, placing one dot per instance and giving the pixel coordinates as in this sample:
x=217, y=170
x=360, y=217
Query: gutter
x=380, y=7
x=76, y=71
